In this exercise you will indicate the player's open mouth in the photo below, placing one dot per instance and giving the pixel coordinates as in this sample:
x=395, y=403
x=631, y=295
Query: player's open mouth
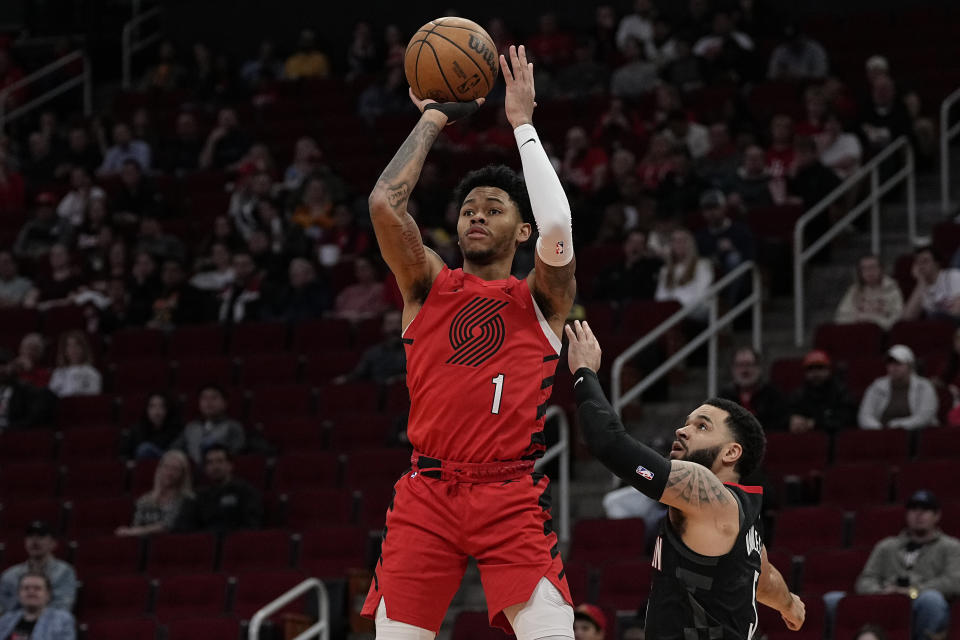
x=677, y=447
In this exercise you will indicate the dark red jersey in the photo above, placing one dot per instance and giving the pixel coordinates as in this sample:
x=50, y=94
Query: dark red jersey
x=480, y=365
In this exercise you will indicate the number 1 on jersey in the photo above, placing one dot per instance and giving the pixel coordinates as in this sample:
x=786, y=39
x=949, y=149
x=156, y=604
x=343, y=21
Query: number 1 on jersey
x=497, y=393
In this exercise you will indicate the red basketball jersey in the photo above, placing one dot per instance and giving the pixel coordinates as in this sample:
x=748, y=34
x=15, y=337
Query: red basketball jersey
x=480, y=365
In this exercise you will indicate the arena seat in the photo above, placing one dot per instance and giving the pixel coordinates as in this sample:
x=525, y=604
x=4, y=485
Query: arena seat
x=843, y=341
x=874, y=523
x=181, y=553
x=255, y=469
x=624, y=584
x=831, y=570
x=19, y=321
x=596, y=540
x=580, y=576
x=84, y=411
x=106, y=555
x=786, y=374
x=801, y=529
x=315, y=469
x=871, y=445
x=122, y=629
x=141, y=478
x=349, y=396
x=935, y=443
x=330, y=550
x=923, y=336
x=137, y=343
x=796, y=452
x=258, y=337
x=17, y=513
x=890, y=612
x=195, y=341
x=114, y=597
x=57, y=320
x=854, y=484
x=939, y=476
x=262, y=369
x=93, y=477
x=98, y=516
x=276, y=401
x=313, y=507
x=256, y=588
x=92, y=443
x=376, y=465
x=24, y=480
x=21, y=446
x=322, y=367
x=191, y=373
x=139, y=375
x=360, y=429
x=255, y=551
x=190, y=596
x=859, y=373
x=375, y=499
x=318, y=336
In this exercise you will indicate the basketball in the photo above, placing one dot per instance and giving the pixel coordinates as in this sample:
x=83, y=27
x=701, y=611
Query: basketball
x=451, y=59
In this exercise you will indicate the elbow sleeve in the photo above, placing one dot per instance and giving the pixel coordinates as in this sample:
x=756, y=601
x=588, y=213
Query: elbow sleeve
x=551, y=210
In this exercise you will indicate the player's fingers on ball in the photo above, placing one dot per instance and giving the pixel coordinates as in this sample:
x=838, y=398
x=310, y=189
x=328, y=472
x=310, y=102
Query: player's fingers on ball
x=480, y=101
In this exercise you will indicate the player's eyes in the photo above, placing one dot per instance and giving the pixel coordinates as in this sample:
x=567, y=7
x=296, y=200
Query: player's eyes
x=495, y=211
x=702, y=426
x=467, y=212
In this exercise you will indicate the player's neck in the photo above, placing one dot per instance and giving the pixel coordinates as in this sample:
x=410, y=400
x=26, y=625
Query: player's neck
x=494, y=271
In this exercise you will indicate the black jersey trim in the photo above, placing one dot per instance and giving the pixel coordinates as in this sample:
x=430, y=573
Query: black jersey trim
x=541, y=410
x=550, y=358
x=547, y=383
x=406, y=340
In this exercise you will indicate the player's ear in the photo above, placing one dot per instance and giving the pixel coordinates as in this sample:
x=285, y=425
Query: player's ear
x=523, y=232
x=732, y=452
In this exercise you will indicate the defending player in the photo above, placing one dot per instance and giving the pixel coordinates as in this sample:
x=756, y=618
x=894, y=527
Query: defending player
x=710, y=566
x=482, y=349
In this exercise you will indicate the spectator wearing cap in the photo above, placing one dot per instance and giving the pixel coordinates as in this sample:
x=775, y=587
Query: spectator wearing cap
x=822, y=403
x=922, y=563
x=40, y=545
x=35, y=618
x=901, y=399
x=873, y=296
x=43, y=230
x=21, y=405
x=589, y=622
x=750, y=390
x=937, y=292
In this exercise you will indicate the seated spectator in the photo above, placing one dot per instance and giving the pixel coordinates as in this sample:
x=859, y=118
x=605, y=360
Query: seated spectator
x=726, y=242
x=730, y=53
x=584, y=76
x=304, y=296
x=751, y=185
x=822, y=403
x=143, y=284
x=12, y=192
x=152, y=239
x=226, y=143
x=589, y=622
x=63, y=280
x=226, y=503
x=799, y=58
x=159, y=510
x=14, y=288
x=633, y=279
x=308, y=61
x=182, y=151
x=252, y=188
x=385, y=361
x=684, y=70
x=35, y=618
x=80, y=152
x=167, y=74
x=364, y=298
x=550, y=45
x=753, y=393
x=636, y=76
x=158, y=426
x=43, y=230
x=885, y=117
x=637, y=25
x=840, y=151
x=682, y=131
x=657, y=163
x=814, y=114
x=30, y=364
x=40, y=543
x=686, y=276
x=40, y=163
x=265, y=64
x=719, y=165
x=808, y=180
x=178, y=303
x=136, y=197
x=214, y=272
x=73, y=206
x=584, y=165
x=937, y=292
x=922, y=563
x=24, y=405
x=780, y=153
x=124, y=148
x=314, y=211
x=240, y=299
x=873, y=296
x=213, y=427
x=901, y=399
x=75, y=374
x=306, y=156
x=680, y=190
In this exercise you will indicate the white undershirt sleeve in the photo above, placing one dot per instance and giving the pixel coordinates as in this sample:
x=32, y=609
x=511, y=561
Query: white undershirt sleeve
x=551, y=210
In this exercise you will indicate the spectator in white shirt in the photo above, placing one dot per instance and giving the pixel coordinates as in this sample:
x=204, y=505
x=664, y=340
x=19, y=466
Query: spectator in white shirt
x=73, y=207
x=937, y=292
x=681, y=130
x=799, y=58
x=685, y=276
x=75, y=374
x=901, y=399
x=124, y=148
x=636, y=76
x=638, y=25
x=839, y=150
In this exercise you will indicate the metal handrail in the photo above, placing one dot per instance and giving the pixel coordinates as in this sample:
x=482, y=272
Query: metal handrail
x=82, y=79
x=716, y=324
x=947, y=133
x=129, y=47
x=321, y=628
x=561, y=450
x=801, y=256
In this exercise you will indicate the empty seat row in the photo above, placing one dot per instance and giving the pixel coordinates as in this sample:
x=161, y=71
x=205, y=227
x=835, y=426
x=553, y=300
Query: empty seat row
x=852, y=341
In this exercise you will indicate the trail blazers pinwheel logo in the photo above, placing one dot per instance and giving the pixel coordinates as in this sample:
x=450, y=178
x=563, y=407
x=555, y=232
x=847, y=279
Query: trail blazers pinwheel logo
x=477, y=332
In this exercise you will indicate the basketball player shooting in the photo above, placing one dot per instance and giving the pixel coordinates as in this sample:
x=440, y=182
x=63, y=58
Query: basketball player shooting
x=482, y=348
x=710, y=565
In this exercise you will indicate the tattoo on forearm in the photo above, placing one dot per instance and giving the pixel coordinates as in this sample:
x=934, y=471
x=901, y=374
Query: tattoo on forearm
x=398, y=194
x=696, y=486
x=412, y=152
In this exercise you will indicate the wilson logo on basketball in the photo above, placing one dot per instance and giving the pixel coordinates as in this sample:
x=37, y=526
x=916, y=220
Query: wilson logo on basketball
x=477, y=332
x=480, y=47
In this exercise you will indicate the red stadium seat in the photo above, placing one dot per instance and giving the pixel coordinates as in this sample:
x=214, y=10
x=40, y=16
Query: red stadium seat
x=107, y=555
x=28, y=480
x=98, y=516
x=256, y=588
x=831, y=570
x=194, y=372
x=319, y=336
x=869, y=445
x=140, y=375
x=579, y=575
x=85, y=411
x=796, y=452
x=843, y=341
x=786, y=374
x=850, y=485
x=255, y=469
x=136, y=343
x=21, y=446
x=206, y=628
x=939, y=443
x=17, y=513
x=321, y=469
x=281, y=401
x=360, y=429
x=92, y=443
x=255, y=551
x=103, y=477
x=375, y=499
x=329, y=551
x=804, y=528
x=861, y=372
x=349, y=397
x=890, y=612
x=18, y=321
x=474, y=625
x=923, y=336
x=602, y=317
x=191, y=596
x=269, y=368
x=57, y=320
x=639, y=317
x=874, y=523
x=939, y=476
x=376, y=465
x=324, y=366
x=114, y=597
x=193, y=342
x=397, y=399
x=123, y=629
x=774, y=222
x=597, y=540
x=258, y=337
x=141, y=480
x=313, y=507
x=624, y=584
x=295, y=433
x=178, y=554
x=367, y=332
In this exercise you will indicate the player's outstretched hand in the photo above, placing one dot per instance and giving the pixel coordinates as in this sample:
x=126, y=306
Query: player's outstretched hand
x=519, y=101
x=452, y=110
x=584, y=350
x=794, y=616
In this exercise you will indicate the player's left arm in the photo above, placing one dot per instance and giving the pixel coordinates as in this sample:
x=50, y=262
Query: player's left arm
x=552, y=278
x=772, y=591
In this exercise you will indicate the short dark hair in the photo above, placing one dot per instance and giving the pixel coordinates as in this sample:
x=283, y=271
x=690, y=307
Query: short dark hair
x=32, y=573
x=747, y=431
x=928, y=248
x=217, y=447
x=213, y=386
x=502, y=177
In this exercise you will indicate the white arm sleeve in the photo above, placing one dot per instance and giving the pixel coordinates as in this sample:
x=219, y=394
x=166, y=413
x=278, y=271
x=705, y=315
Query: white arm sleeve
x=547, y=199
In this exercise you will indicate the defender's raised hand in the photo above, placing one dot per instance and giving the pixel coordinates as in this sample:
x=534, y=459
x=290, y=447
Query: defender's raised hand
x=584, y=350
x=518, y=75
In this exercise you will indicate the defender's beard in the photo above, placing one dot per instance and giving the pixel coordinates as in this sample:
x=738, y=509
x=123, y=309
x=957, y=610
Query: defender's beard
x=704, y=457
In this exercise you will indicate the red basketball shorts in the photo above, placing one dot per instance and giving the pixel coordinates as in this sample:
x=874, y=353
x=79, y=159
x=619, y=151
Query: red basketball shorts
x=442, y=513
